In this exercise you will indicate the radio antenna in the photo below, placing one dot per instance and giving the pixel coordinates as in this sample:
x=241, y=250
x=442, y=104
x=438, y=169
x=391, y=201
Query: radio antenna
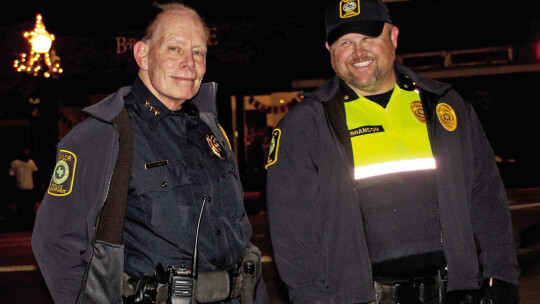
x=195, y=250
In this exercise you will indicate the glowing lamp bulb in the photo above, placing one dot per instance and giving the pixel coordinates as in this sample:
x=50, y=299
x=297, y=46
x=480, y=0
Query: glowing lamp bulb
x=39, y=61
x=41, y=43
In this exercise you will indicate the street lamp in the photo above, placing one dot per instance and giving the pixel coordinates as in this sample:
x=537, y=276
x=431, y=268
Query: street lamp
x=41, y=60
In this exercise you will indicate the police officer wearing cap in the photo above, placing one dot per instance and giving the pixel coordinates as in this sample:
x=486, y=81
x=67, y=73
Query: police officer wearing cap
x=381, y=181
x=145, y=204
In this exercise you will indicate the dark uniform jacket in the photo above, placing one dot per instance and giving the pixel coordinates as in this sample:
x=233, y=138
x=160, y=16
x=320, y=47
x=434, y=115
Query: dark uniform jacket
x=315, y=217
x=76, y=266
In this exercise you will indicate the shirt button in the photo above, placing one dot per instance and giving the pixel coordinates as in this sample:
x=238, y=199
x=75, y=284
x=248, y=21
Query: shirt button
x=164, y=184
x=201, y=166
x=218, y=232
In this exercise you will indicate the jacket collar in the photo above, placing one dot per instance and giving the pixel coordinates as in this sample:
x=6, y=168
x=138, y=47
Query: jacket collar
x=110, y=107
x=406, y=77
x=151, y=108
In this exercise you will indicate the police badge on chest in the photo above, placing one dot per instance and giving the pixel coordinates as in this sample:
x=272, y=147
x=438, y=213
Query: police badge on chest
x=215, y=146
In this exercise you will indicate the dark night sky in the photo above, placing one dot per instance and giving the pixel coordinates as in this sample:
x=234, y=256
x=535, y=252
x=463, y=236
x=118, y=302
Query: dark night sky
x=278, y=37
x=426, y=24
x=99, y=15
x=288, y=43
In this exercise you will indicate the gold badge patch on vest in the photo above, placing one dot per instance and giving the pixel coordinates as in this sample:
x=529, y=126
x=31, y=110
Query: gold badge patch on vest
x=273, y=150
x=64, y=172
x=215, y=146
x=349, y=8
x=418, y=111
x=447, y=116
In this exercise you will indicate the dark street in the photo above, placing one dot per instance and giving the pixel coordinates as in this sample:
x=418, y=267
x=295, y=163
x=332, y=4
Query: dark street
x=21, y=281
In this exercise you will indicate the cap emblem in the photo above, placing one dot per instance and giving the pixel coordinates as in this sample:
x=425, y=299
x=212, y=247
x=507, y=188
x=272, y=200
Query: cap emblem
x=349, y=8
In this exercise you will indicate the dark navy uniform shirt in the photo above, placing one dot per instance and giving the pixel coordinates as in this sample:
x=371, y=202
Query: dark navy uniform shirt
x=174, y=169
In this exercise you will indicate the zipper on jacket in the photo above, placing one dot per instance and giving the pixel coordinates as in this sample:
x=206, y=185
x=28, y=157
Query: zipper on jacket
x=344, y=158
x=338, y=142
x=426, y=98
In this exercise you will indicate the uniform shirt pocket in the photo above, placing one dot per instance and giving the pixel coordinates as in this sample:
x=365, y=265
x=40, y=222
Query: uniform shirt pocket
x=164, y=195
x=231, y=190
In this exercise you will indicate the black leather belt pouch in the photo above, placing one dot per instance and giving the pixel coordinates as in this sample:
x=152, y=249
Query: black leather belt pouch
x=407, y=292
x=213, y=286
x=427, y=289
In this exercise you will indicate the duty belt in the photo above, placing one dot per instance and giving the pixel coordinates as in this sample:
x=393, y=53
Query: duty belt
x=237, y=282
x=414, y=291
x=210, y=285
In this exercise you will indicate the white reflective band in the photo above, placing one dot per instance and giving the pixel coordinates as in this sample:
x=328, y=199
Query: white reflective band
x=394, y=167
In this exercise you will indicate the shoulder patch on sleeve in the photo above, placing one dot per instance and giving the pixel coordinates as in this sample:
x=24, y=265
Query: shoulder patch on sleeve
x=447, y=116
x=64, y=172
x=225, y=135
x=274, y=146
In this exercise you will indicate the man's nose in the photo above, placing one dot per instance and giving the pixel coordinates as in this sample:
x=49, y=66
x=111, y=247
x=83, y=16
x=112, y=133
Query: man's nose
x=188, y=61
x=360, y=49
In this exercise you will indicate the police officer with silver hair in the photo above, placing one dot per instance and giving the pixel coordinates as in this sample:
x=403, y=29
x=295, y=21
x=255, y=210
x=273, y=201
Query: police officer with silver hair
x=381, y=181
x=145, y=203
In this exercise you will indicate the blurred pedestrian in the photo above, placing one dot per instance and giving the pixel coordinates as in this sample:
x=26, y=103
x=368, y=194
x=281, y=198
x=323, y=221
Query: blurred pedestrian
x=22, y=168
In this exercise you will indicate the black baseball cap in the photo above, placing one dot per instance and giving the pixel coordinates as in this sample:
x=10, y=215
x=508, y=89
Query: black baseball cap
x=366, y=17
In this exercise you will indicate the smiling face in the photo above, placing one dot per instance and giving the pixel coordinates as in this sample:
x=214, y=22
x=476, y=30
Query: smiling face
x=366, y=63
x=173, y=61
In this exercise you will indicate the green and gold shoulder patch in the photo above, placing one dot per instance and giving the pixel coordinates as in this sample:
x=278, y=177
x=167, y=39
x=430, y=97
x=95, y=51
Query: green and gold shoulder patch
x=274, y=146
x=64, y=172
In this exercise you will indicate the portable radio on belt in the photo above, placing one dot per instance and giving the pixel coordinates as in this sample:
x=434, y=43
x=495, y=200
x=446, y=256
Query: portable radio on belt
x=181, y=280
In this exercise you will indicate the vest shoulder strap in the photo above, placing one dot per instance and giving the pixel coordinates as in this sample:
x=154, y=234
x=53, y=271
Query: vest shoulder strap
x=111, y=221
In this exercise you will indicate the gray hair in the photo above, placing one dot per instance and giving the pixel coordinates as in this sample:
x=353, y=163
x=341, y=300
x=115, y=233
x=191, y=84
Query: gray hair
x=163, y=7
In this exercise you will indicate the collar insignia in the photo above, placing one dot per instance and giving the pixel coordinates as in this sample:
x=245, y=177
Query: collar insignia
x=151, y=107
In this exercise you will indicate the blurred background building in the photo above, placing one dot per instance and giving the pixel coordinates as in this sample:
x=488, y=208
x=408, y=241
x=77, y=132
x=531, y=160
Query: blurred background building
x=489, y=51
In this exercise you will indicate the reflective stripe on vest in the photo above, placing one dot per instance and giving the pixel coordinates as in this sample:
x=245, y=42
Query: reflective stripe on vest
x=389, y=140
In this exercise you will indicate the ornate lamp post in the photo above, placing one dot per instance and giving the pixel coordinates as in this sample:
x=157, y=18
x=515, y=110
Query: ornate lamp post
x=41, y=59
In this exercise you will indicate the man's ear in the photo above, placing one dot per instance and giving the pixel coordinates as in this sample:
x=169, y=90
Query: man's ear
x=394, y=36
x=327, y=46
x=140, y=52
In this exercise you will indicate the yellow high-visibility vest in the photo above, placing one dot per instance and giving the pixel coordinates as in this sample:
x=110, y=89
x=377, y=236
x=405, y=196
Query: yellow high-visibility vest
x=389, y=140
